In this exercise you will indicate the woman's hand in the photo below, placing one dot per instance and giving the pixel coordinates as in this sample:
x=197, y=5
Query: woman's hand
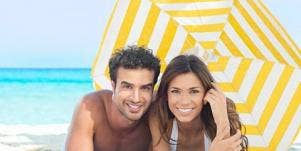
x=220, y=143
x=218, y=104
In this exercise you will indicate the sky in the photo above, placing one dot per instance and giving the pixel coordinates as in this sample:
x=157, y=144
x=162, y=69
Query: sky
x=67, y=33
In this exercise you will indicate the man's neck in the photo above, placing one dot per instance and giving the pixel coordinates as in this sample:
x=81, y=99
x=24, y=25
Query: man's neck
x=119, y=123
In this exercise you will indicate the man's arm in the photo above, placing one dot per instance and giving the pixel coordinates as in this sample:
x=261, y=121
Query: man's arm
x=80, y=135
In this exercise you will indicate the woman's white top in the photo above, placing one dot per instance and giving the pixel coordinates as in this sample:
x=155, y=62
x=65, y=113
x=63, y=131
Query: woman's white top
x=174, y=138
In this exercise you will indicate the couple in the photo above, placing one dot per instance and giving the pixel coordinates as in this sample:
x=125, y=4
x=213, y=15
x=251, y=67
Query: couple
x=188, y=112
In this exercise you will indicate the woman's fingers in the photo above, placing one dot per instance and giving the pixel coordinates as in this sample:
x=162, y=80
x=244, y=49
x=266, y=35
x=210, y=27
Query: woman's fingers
x=216, y=94
x=235, y=137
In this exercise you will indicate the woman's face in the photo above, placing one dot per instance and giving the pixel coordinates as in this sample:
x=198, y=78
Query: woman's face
x=185, y=97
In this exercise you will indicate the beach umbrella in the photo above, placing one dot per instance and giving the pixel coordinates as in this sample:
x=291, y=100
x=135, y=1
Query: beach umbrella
x=250, y=54
x=267, y=96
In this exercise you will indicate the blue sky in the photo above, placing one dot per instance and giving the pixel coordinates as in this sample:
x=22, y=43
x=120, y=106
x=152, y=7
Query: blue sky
x=66, y=33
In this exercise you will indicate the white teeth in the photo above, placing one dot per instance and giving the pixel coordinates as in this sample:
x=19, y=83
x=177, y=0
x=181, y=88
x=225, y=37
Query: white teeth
x=185, y=110
x=134, y=106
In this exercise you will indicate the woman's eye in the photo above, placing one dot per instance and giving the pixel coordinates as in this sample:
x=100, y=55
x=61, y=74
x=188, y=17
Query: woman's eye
x=194, y=91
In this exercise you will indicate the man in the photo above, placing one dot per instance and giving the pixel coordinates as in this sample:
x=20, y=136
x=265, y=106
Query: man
x=115, y=120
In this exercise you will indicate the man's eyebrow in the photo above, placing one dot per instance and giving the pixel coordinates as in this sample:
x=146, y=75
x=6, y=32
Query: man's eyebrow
x=148, y=85
x=126, y=83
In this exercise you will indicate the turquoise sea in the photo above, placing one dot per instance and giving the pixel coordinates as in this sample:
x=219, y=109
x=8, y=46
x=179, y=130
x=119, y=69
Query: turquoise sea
x=41, y=96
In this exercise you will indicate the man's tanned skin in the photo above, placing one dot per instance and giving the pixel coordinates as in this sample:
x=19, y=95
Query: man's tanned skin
x=116, y=120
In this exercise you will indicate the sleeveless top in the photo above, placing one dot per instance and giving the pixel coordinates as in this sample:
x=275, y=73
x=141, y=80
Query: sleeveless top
x=174, y=138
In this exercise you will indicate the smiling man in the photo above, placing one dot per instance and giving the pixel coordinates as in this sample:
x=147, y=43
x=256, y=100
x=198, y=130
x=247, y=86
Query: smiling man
x=115, y=120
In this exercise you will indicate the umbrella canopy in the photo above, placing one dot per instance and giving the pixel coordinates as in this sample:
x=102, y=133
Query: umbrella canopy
x=250, y=54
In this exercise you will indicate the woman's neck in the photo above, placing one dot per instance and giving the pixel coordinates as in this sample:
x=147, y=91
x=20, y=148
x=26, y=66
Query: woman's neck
x=193, y=127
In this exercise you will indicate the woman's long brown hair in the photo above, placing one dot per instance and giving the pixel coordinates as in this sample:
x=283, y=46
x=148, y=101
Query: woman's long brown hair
x=184, y=64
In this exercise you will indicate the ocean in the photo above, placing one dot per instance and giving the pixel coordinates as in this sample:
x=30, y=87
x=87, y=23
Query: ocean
x=39, y=102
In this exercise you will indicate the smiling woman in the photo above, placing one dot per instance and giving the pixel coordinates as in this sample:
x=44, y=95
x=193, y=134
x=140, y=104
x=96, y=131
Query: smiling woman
x=192, y=113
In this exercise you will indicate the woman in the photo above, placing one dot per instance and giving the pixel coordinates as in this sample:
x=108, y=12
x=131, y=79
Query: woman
x=191, y=112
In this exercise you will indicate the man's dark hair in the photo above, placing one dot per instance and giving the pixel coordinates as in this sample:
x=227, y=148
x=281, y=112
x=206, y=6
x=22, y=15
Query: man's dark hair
x=134, y=57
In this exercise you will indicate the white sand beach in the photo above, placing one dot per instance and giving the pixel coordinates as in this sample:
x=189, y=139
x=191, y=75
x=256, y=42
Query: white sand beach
x=33, y=138
x=50, y=138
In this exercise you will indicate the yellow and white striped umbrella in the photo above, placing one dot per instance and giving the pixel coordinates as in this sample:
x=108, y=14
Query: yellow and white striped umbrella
x=256, y=62
x=267, y=96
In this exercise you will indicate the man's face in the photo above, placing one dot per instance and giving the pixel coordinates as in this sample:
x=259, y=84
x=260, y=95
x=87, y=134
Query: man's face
x=133, y=92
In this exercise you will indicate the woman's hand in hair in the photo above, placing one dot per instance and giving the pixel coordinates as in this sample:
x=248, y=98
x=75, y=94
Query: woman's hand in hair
x=218, y=104
x=220, y=143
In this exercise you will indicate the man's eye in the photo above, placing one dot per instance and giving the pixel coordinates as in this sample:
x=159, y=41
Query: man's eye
x=127, y=86
x=146, y=88
x=175, y=91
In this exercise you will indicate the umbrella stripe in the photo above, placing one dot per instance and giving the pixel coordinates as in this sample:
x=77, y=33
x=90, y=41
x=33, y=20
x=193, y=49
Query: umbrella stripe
x=230, y=70
x=205, y=28
x=256, y=89
x=261, y=30
x=201, y=20
x=195, y=6
x=189, y=43
x=245, y=37
x=219, y=65
x=166, y=41
x=278, y=26
x=291, y=132
x=198, y=13
x=125, y=28
x=216, y=52
x=138, y=22
x=120, y=8
x=149, y=25
x=248, y=81
x=127, y=24
x=265, y=94
x=206, y=36
x=272, y=102
x=158, y=31
x=274, y=99
x=222, y=49
x=276, y=34
x=175, y=47
x=260, y=34
x=230, y=45
x=252, y=34
x=283, y=107
x=208, y=44
x=287, y=118
x=241, y=45
x=99, y=53
x=238, y=77
x=256, y=142
x=182, y=1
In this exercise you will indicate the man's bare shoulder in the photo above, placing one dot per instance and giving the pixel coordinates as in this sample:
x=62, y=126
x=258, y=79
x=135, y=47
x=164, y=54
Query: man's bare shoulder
x=96, y=98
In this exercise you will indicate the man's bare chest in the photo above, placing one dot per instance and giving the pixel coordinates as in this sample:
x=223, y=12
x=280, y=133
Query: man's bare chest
x=111, y=141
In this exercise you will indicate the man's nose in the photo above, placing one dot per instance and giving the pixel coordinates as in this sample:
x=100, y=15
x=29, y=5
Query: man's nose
x=135, y=95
